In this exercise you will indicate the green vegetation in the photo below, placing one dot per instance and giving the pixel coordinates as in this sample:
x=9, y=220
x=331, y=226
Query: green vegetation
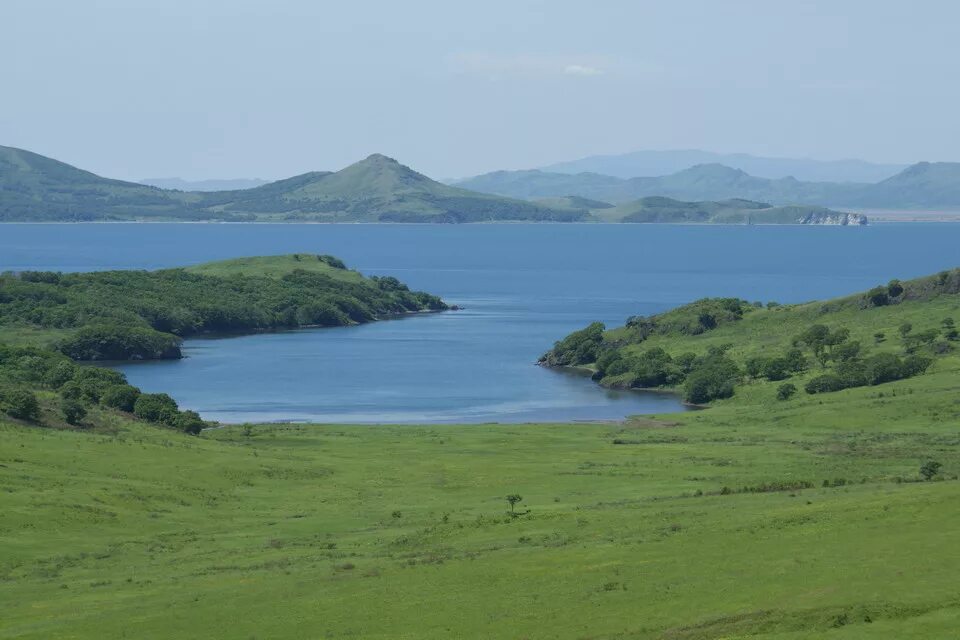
x=141, y=315
x=712, y=348
x=814, y=515
x=35, y=188
x=809, y=518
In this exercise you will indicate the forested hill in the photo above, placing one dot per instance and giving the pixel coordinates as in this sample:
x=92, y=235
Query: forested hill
x=119, y=315
x=721, y=347
x=378, y=189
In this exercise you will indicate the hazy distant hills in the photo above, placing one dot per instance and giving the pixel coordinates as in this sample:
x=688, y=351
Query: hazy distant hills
x=37, y=188
x=735, y=211
x=661, y=163
x=230, y=184
x=923, y=185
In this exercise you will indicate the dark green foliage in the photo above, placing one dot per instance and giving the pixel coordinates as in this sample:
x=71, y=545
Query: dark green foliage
x=713, y=378
x=930, y=469
x=19, y=403
x=824, y=384
x=513, y=499
x=895, y=289
x=878, y=296
x=913, y=341
x=905, y=329
x=120, y=396
x=796, y=361
x=580, y=347
x=879, y=337
x=156, y=407
x=786, y=391
x=120, y=342
x=189, y=422
x=73, y=411
x=124, y=315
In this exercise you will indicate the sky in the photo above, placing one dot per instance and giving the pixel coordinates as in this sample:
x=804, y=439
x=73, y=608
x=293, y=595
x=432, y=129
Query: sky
x=203, y=89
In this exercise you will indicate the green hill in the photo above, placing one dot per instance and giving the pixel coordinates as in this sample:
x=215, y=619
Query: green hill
x=668, y=210
x=573, y=202
x=377, y=189
x=142, y=315
x=716, y=348
x=37, y=188
x=380, y=189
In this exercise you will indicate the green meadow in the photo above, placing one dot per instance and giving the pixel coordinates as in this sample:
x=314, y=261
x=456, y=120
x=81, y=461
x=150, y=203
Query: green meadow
x=706, y=524
x=825, y=515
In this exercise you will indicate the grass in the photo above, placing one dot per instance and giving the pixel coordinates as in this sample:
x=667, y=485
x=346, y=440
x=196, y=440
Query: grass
x=274, y=267
x=403, y=532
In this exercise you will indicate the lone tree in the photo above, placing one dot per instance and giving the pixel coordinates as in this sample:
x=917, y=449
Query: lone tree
x=513, y=499
x=929, y=469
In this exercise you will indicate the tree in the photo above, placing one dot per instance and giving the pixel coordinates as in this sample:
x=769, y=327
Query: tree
x=22, y=404
x=904, y=329
x=776, y=369
x=513, y=499
x=929, y=469
x=895, y=289
x=155, y=407
x=878, y=296
x=120, y=396
x=785, y=391
x=73, y=411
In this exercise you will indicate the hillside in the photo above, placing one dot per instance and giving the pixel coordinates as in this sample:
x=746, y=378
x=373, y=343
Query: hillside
x=143, y=315
x=713, y=349
x=661, y=163
x=667, y=210
x=377, y=189
x=37, y=188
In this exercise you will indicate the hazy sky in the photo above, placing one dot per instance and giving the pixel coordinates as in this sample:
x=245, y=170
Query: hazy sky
x=220, y=89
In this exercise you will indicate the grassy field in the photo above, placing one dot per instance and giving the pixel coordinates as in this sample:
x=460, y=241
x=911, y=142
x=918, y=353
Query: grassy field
x=755, y=518
x=711, y=524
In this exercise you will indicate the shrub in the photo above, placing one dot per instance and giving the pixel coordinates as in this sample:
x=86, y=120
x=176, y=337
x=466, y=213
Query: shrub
x=786, y=391
x=73, y=411
x=776, y=369
x=712, y=379
x=21, y=403
x=878, y=296
x=824, y=384
x=60, y=374
x=155, y=407
x=929, y=469
x=120, y=396
x=895, y=289
x=189, y=422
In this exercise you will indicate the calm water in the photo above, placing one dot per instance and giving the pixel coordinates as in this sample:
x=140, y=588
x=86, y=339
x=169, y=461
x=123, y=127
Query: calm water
x=523, y=287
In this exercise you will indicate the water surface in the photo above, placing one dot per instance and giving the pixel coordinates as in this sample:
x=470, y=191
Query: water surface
x=523, y=285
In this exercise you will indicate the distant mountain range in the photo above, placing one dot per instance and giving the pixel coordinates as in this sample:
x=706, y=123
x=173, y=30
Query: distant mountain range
x=924, y=185
x=661, y=163
x=229, y=184
x=377, y=189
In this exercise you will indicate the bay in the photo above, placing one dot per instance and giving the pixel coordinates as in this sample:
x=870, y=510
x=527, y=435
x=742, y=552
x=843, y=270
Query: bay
x=523, y=286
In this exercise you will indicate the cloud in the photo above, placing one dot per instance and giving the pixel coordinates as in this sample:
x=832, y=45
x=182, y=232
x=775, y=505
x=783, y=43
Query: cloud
x=494, y=65
x=581, y=70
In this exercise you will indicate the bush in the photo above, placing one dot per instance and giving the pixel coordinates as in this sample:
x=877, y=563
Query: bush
x=21, y=403
x=120, y=396
x=878, y=296
x=786, y=391
x=189, y=422
x=824, y=384
x=156, y=407
x=714, y=378
x=73, y=411
x=776, y=369
x=930, y=469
